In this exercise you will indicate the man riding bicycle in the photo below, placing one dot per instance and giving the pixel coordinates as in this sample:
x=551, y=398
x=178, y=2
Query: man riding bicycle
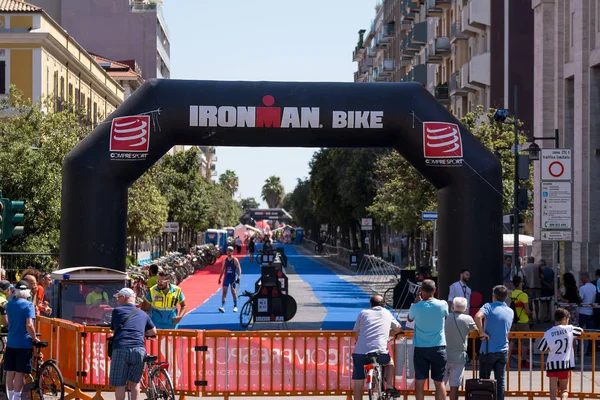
x=373, y=328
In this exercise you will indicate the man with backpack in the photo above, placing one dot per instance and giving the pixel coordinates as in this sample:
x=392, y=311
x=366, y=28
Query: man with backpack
x=519, y=303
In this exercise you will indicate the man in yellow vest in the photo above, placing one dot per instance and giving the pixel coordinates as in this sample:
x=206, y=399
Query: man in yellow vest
x=166, y=303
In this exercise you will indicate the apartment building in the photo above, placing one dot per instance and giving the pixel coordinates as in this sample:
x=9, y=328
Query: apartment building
x=567, y=98
x=466, y=52
x=42, y=60
x=127, y=73
x=118, y=30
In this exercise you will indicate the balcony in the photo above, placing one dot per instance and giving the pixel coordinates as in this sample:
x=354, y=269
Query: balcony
x=358, y=53
x=442, y=94
x=405, y=61
x=413, y=6
x=441, y=45
x=405, y=25
x=419, y=34
x=382, y=41
x=432, y=11
x=443, y=3
x=407, y=14
x=387, y=66
x=389, y=30
x=418, y=73
x=430, y=55
x=215, y=159
x=143, y=5
x=456, y=32
x=475, y=16
x=371, y=52
x=456, y=88
x=213, y=150
x=479, y=70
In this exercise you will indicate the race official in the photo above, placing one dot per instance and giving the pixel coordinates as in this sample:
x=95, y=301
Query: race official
x=165, y=302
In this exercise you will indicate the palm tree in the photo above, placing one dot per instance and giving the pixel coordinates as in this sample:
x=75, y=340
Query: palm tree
x=230, y=181
x=273, y=191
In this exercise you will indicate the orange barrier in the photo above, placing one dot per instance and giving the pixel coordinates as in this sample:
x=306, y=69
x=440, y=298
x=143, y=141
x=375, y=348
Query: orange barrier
x=276, y=363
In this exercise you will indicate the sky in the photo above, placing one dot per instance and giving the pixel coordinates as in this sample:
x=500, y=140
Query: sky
x=265, y=40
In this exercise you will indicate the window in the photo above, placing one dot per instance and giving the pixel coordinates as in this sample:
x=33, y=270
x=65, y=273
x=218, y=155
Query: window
x=56, y=98
x=89, y=108
x=95, y=116
x=571, y=28
x=76, y=99
x=2, y=77
x=62, y=88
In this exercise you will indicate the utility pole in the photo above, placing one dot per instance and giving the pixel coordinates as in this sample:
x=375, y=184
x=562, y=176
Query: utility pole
x=516, y=263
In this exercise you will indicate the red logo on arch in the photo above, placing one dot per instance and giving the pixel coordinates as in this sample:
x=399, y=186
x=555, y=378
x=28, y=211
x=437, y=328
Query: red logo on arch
x=441, y=140
x=130, y=134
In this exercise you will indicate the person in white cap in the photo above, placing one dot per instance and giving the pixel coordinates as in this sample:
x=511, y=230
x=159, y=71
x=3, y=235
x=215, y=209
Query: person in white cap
x=129, y=326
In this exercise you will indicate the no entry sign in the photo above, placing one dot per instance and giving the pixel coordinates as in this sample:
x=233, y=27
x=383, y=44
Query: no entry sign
x=556, y=164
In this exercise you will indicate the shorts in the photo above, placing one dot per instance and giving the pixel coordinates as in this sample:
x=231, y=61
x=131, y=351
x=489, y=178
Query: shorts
x=127, y=365
x=358, y=363
x=18, y=360
x=430, y=358
x=229, y=281
x=559, y=374
x=454, y=374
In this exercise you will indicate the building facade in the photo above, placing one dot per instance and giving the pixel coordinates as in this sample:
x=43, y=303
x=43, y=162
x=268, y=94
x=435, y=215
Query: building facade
x=43, y=61
x=117, y=29
x=467, y=53
x=567, y=98
x=126, y=73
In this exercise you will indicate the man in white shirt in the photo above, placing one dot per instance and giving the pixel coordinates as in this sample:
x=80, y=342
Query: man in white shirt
x=460, y=289
x=373, y=328
x=587, y=293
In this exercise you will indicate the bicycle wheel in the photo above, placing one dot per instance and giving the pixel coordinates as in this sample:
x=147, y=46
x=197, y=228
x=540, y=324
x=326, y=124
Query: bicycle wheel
x=375, y=392
x=50, y=383
x=160, y=382
x=246, y=314
x=4, y=391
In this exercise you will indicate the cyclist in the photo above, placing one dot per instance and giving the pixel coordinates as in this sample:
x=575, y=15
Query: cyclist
x=231, y=266
x=373, y=328
x=251, y=248
x=162, y=300
x=21, y=336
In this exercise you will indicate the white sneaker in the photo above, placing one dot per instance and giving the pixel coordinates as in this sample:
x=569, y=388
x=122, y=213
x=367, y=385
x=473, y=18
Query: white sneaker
x=221, y=309
x=234, y=309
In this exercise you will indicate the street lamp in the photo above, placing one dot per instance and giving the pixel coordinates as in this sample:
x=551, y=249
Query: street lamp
x=534, y=149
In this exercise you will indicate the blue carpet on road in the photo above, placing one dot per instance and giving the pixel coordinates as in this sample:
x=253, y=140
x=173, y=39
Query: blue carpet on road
x=343, y=300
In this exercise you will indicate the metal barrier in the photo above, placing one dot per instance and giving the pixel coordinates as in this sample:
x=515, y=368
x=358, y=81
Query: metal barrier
x=14, y=262
x=281, y=363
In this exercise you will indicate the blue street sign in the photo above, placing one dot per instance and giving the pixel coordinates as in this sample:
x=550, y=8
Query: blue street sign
x=429, y=215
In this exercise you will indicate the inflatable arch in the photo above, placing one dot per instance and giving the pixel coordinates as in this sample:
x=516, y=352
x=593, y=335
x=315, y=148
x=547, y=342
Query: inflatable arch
x=405, y=116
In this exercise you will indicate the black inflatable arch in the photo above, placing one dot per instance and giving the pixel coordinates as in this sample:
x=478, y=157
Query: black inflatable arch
x=164, y=113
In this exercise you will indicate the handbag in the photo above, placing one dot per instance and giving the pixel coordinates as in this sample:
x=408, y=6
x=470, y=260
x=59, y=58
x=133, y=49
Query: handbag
x=110, y=340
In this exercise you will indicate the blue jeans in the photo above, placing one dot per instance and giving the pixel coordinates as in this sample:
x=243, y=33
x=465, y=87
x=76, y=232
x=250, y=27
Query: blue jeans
x=494, y=362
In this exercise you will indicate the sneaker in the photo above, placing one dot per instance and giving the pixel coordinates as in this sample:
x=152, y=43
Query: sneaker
x=221, y=309
x=234, y=309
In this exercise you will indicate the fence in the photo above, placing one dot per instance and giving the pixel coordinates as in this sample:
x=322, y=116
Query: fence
x=15, y=262
x=338, y=254
x=277, y=363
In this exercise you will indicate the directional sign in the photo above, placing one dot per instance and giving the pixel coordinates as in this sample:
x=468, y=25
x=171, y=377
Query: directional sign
x=556, y=164
x=556, y=205
x=172, y=227
x=366, y=224
x=557, y=235
x=429, y=215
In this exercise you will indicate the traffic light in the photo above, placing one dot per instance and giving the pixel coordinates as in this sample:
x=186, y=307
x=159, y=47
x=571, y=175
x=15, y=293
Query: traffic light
x=10, y=217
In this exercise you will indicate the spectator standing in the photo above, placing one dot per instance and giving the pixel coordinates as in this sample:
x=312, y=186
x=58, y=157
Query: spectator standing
x=587, y=293
x=428, y=314
x=571, y=296
x=533, y=285
x=153, y=279
x=129, y=326
x=42, y=301
x=457, y=328
x=238, y=244
x=521, y=321
x=372, y=329
x=558, y=341
x=21, y=336
x=493, y=355
x=547, y=280
x=460, y=289
x=508, y=272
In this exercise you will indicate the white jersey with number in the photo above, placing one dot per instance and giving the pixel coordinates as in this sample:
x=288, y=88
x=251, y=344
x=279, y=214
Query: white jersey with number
x=558, y=341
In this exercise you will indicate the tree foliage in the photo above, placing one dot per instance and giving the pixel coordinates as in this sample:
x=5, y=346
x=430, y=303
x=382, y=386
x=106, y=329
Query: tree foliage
x=273, y=191
x=301, y=206
x=230, y=181
x=148, y=209
x=248, y=202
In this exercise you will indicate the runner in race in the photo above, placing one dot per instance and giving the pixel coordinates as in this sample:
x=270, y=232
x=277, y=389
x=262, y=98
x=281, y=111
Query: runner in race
x=231, y=268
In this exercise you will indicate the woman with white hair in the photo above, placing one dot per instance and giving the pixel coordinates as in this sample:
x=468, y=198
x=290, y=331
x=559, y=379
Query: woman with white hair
x=21, y=336
x=457, y=328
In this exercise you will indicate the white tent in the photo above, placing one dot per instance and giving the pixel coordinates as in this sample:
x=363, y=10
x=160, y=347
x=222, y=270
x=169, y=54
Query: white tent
x=524, y=240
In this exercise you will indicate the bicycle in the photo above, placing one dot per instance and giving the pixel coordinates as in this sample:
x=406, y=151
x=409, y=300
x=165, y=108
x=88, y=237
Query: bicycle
x=156, y=387
x=247, y=311
x=45, y=380
x=375, y=379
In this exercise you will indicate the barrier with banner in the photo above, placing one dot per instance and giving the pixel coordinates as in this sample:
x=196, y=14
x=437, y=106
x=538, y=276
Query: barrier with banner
x=273, y=363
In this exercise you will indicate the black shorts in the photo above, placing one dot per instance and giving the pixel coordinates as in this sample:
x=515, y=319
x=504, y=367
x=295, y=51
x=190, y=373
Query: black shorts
x=18, y=360
x=430, y=359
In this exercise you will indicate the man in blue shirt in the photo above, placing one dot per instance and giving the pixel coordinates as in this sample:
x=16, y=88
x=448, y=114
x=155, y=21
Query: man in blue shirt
x=494, y=352
x=429, y=341
x=129, y=326
x=21, y=336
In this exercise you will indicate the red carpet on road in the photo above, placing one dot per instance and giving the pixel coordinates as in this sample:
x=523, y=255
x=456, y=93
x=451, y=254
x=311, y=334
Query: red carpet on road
x=199, y=287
